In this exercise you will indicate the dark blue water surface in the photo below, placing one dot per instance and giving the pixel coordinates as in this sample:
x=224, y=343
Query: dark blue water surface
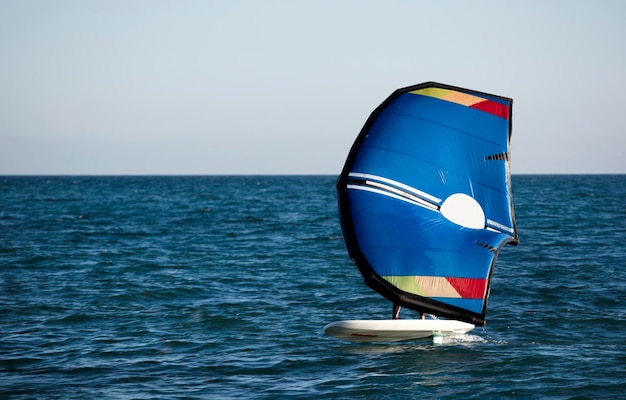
x=218, y=287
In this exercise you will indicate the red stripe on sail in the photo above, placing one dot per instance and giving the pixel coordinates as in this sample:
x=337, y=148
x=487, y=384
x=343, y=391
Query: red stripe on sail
x=469, y=288
x=493, y=107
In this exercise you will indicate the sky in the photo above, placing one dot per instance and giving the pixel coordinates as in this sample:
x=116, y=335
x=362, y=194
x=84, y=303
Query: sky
x=130, y=87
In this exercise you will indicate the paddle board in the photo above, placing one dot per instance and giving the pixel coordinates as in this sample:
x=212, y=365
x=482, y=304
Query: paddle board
x=395, y=330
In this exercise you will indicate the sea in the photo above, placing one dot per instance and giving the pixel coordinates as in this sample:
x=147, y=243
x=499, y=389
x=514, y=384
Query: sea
x=218, y=287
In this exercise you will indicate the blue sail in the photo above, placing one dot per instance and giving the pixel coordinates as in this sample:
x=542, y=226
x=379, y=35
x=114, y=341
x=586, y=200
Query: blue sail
x=425, y=198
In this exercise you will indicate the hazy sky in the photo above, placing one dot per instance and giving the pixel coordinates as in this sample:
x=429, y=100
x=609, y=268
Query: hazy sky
x=283, y=87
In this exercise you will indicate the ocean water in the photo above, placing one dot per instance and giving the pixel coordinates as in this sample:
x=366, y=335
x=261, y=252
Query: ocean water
x=219, y=287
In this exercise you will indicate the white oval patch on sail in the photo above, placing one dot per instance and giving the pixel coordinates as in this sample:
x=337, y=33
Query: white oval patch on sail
x=463, y=210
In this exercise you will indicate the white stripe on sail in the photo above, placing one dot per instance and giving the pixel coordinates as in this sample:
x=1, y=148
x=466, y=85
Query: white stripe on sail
x=499, y=226
x=421, y=203
x=397, y=184
x=399, y=192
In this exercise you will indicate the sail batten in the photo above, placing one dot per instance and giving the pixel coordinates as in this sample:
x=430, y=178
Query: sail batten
x=425, y=198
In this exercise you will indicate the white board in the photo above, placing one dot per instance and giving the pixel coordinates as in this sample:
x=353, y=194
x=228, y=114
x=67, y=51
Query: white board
x=395, y=330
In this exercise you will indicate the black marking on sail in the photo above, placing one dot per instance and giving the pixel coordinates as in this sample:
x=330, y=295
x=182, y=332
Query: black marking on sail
x=357, y=181
x=488, y=247
x=500, y=156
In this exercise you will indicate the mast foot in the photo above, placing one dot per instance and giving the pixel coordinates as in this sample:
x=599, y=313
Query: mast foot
x=396, y=312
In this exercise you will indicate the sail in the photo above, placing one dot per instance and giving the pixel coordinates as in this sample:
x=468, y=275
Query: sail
x=425, y=198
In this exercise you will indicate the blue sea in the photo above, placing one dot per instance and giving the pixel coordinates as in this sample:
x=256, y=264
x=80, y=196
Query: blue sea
x=218, y=287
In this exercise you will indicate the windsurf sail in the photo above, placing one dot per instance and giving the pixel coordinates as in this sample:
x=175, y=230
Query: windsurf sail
x=425, y=198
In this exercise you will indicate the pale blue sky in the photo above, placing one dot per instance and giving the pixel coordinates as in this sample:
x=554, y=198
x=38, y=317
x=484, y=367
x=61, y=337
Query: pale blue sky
x=283, y=87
